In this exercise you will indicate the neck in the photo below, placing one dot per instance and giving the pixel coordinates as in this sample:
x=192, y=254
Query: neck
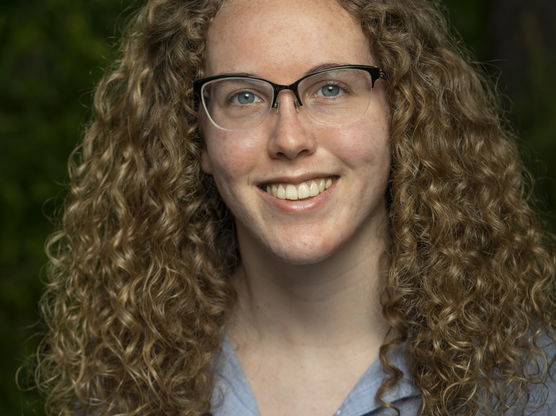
x=327, y=305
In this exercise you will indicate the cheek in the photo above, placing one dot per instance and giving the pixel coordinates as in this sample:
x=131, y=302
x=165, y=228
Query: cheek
x=370, y=136
x=364, y=144
x=229, y=156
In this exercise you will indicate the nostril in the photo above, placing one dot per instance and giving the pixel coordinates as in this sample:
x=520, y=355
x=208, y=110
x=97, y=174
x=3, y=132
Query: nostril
x=293, y=154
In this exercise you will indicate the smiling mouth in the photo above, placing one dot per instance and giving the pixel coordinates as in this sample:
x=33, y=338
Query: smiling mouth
x=304, y=190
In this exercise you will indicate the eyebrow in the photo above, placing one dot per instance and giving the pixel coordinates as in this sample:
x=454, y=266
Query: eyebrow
x=325, y=66
x=309, y=71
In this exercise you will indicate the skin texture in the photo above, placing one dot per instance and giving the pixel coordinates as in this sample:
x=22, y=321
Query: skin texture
x=282, y=46
x=308, y=309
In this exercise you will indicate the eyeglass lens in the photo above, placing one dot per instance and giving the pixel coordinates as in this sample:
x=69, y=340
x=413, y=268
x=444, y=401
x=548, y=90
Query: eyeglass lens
x=332, y=97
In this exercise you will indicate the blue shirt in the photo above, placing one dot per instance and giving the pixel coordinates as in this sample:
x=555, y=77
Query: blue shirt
x=233, y=397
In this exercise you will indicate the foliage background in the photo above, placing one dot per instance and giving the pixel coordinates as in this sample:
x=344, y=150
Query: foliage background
x=52, y=52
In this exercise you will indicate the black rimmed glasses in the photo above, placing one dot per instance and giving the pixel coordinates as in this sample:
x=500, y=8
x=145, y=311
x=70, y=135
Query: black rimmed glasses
x=334, y=95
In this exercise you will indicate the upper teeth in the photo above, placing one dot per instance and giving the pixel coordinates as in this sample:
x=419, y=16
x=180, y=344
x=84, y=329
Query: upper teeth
x=300, y=191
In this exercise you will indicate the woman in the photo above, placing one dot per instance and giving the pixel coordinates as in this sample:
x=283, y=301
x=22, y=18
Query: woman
x=297, y=208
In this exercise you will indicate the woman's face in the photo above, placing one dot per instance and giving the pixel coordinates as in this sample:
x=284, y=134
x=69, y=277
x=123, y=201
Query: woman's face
x=281, y=41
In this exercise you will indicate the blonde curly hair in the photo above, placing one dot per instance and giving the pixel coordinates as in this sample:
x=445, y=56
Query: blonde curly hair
x=139, y=284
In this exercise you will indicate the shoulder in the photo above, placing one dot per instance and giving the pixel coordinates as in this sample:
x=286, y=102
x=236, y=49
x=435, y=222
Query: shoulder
x=542, y=366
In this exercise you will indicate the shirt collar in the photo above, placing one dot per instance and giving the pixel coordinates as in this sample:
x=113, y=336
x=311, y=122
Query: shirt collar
x=361, y=399
x=232, y=395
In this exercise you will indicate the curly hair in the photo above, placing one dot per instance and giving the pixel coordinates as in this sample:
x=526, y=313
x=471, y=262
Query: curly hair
x=139, y=287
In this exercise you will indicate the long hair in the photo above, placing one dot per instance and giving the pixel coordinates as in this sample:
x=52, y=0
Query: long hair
x=139, y=275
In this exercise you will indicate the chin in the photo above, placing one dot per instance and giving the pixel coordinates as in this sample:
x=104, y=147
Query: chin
x=307, y=253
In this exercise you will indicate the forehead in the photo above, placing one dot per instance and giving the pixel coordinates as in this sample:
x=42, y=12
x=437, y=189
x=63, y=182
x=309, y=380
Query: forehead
x=283, y=39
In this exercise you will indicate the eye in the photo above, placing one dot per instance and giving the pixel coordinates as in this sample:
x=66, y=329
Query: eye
x=330, y=90
x=245, y=97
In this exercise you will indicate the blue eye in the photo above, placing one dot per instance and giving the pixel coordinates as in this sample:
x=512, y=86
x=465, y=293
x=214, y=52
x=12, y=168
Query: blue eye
x=330, y=90
x=245, y=97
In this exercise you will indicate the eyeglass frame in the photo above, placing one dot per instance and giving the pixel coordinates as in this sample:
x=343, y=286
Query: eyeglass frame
x=374, y=71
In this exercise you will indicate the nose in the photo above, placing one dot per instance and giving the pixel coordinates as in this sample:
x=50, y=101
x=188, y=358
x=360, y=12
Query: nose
x=290, y=139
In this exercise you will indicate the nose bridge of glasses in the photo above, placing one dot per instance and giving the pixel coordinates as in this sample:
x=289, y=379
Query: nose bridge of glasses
x=279, y=88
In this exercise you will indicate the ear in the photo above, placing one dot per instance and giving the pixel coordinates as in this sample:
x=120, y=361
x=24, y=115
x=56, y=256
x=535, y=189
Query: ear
x=206, y=164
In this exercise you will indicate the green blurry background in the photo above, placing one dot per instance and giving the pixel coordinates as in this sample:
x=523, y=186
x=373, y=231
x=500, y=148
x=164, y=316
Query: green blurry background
x=52, y=52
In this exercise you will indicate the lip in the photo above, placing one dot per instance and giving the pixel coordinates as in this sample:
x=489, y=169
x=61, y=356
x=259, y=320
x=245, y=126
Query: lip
x=300, y=206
